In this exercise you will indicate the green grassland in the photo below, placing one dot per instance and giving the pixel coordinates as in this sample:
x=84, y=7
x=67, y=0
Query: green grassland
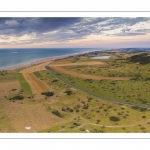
x=94, y=114
x=24, y=84
x=81, y=112
x=131, y=91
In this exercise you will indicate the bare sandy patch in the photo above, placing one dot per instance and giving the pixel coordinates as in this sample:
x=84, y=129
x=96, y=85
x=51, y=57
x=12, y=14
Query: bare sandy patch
x=29, y=115
x=6, y=87
x=77, y=63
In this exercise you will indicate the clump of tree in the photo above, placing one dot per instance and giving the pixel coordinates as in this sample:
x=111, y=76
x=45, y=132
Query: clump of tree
x=47, y=93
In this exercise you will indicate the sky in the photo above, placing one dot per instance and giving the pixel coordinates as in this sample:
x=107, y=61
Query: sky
x=65, y=32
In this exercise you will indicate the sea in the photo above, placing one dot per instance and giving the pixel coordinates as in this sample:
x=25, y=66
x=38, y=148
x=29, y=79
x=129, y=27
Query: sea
x=14, y=57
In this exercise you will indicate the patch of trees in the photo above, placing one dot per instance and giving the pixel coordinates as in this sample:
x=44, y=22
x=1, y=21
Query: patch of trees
x=141, y=58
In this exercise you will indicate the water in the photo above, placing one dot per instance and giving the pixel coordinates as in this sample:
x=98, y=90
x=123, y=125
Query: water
x=101, y=57
x=13, y=57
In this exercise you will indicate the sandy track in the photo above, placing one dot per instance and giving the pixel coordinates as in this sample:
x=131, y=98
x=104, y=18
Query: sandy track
x=77, y=63
x=57, y=66
x=84, y=76
x=37, y=86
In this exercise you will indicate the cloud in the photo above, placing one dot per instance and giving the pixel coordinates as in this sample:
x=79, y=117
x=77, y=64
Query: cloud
x=11, y=23
x=59, y=29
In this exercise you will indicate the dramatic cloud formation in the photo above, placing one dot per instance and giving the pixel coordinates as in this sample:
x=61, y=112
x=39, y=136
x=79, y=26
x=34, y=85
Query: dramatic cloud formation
x=75, y=32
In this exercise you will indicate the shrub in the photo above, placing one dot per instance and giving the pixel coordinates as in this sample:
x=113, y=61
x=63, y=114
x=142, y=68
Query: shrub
x=18, y=97
x=76, y=124
x=86, y=106
x=14, y=89
x=98, y=121
x=47, y=93
x=114, y=118
x=54, y=80
x=68, y=92
x=63, y=109
x=143, y=109
x=57, y=113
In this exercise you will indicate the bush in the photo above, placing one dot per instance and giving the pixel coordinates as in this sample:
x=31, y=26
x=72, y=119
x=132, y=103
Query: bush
x=76, y=124
x=57, y=113
x=18, y=97
x=54, y=80
x=69, y=92
x=47, y=93
x=14, y=89
x=114, y=118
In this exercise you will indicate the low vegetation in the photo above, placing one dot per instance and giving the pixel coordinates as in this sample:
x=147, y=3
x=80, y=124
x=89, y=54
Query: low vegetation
x=24, y=84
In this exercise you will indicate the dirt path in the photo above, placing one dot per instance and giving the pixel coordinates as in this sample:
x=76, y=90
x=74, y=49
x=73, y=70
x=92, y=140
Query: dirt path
x=84, y=76
x=108, y=126
x=37, y=86
x=77, y=63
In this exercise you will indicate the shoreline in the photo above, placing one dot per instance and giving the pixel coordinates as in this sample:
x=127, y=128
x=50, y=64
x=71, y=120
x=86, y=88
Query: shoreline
x=42, y=60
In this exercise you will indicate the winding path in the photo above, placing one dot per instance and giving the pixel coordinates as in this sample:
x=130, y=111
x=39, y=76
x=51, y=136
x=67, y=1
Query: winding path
x=108, y=126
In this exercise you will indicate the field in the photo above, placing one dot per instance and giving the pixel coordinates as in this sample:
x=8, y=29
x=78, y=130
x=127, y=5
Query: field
x=24, y=84
x=64, y=100
x=37, y=86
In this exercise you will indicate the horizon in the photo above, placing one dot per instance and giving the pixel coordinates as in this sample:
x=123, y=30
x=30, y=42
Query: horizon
x=73, y=47
x=69, y=32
